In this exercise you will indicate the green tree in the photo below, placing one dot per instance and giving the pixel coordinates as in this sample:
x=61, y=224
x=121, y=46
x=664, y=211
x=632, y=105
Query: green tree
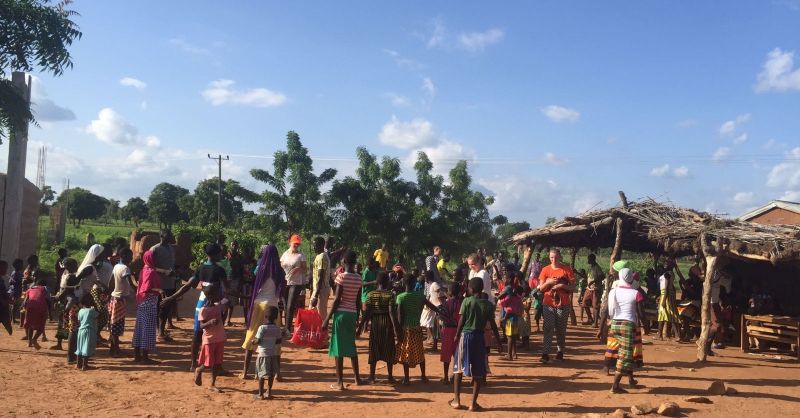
x=465, y=212
x=203, y=205
x=550, y=220
x=83, y=204
x=293, y=202
x=34, y=35
x=135, y=210
x=164, y=204
x=506, y=231
x=112, y=210
x=48, y=195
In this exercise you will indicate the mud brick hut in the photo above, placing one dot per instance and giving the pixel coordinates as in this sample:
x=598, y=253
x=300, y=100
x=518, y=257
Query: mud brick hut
x=768, y=253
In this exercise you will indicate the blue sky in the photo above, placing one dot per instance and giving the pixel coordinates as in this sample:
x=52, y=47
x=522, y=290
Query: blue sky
x=556, y=105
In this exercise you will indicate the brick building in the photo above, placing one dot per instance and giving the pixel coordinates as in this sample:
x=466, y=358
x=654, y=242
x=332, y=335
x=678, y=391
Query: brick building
x=774, y=213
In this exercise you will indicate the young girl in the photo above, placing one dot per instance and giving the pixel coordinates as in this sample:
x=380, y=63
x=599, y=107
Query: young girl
x=121, y=291
x=37, y=302
x=428, y=319
x=667, y=312
x=410, y=351
x=451, y=309
x=212, y=324
x=383, y=326
x=87, y=332
x=525, y=325
x=344, y=313
x=511, y=305
x=268, y=362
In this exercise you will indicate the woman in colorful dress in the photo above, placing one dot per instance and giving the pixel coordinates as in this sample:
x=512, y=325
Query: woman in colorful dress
x=625, y=309
x=667, y=312
x=144, y=333
x=383, y=326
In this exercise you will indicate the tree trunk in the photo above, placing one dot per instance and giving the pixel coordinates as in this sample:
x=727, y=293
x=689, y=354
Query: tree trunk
x=526, y=260
x=705, y=310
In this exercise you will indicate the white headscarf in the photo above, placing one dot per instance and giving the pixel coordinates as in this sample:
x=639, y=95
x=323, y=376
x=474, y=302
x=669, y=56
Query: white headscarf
x=91, y=256
x=626, y=275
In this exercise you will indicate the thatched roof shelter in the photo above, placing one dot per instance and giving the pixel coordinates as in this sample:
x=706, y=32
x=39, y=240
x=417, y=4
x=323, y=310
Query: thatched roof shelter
x=652, y=227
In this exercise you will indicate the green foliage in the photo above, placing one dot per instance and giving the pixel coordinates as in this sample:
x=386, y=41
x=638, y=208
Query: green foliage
x=34, y=36
x=167, y=204
x=504, y=232
x=48, y=196
x=83, y=204
x=135, y=210
x=202, y=207
x=293, y=202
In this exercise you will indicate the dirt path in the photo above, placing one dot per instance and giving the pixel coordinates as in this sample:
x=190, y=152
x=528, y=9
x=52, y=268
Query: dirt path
x=41, y=384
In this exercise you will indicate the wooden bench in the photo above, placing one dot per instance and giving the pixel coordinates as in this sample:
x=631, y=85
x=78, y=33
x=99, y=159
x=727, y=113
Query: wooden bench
x=781, y=329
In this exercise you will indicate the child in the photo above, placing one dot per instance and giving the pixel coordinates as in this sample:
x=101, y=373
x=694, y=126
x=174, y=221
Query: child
x=344, y=313
x=428, y=319
x=667, y=312
x=5, y=318
x=511, y=305
x=68, y=322
x=213, y=344
x=383, y=326
x=87, y=332
x=15, y=289
x=121, y=291
x=470, y=355
x=268, y=362
x=410, y=351
x=28, y=281
x=451, y=309
x=37, y=301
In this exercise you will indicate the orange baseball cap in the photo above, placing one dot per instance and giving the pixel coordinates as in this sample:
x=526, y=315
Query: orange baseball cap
x=295, y=239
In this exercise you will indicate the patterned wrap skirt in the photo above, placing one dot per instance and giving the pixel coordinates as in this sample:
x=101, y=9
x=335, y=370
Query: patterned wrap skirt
x=101, y=304
x=410, y=351
x=144, y=333
x=381, y=339
x=117, y=306
x=612, y=350
x=624, y=332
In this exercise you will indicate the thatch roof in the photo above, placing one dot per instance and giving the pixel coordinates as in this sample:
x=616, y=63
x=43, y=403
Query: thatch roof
x=650, y=226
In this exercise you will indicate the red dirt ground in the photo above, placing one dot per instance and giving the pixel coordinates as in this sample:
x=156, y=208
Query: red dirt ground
x=41, y=383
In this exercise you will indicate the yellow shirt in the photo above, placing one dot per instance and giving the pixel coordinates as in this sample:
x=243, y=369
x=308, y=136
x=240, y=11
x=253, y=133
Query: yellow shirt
x=382, y=257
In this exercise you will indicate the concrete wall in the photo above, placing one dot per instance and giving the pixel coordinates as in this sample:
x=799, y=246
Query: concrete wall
x=777, y=216
x=28, y=240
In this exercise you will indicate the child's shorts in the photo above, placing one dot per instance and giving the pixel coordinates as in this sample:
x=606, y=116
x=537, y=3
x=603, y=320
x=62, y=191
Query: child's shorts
x=267, y=366
x=211, y=354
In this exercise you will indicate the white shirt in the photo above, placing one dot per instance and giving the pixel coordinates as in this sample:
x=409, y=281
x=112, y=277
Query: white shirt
x=105, y=273
x=267, y=294
x=662, y=283
x=487, y=282
x=290, y=260
x=622, y=301
x=122, y=288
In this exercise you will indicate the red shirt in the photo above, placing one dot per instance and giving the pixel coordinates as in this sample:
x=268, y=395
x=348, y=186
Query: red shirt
x=549, y=272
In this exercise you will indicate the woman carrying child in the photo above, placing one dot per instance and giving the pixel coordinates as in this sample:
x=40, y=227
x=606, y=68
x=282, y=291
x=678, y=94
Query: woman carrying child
x=383, y=326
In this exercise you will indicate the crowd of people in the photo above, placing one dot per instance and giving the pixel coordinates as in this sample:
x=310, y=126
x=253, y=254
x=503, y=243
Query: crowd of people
x=484, y=302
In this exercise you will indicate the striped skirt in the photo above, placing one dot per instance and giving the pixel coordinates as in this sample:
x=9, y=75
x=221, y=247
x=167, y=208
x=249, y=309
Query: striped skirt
x=624, y=332
x=612, y=350
x=144, y=333
x=117, y=306
x=381, y=339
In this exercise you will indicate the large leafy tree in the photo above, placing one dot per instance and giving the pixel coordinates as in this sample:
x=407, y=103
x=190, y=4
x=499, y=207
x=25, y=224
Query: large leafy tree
x=203, y=207
x=167, y=204
x=465, y=212
x=293, y=201
x=112, y=210
x=83, y=204
x=48, y=195
x=34, y=35
x=135, y=210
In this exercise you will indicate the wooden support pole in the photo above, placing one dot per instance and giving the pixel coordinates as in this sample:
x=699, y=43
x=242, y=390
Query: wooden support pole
x=526, y=259
x=705, y=310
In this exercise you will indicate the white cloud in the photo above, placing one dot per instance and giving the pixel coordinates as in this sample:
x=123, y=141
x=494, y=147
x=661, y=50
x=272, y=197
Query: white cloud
x=478, y=41
x=152, y=141
x=406, y=135
x=791, y=196
x=778, y=73
x=404, y=62
x=560, y=114
x=397, y=100
x=660, y=171
x=721, y=153
x=729, y=128
x=110, y=127
x=438, y=34
x=221, y=92
x=551, y=158
x=132, y=82
x=428, y=87
x=743, y=198
x=740, y=139
x=444, y=155
x=787, y=173
x=517, y=194
x=44, y=109
x=681, y=171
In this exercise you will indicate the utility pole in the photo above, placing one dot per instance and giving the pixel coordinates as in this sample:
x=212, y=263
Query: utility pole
x=219, y=184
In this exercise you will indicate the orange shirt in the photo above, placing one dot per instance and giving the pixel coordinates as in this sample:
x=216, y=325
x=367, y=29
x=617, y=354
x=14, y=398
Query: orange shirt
x=549, y=272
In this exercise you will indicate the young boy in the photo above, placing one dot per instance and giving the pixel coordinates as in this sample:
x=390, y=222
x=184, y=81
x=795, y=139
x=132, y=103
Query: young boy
x=15, y=289
x=268, y=338
x=211, y=322
x=470, y=356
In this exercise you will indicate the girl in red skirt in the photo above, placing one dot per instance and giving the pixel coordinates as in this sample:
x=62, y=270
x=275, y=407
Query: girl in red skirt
x=213, y=348
x=37, y=299
x=450, y=315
